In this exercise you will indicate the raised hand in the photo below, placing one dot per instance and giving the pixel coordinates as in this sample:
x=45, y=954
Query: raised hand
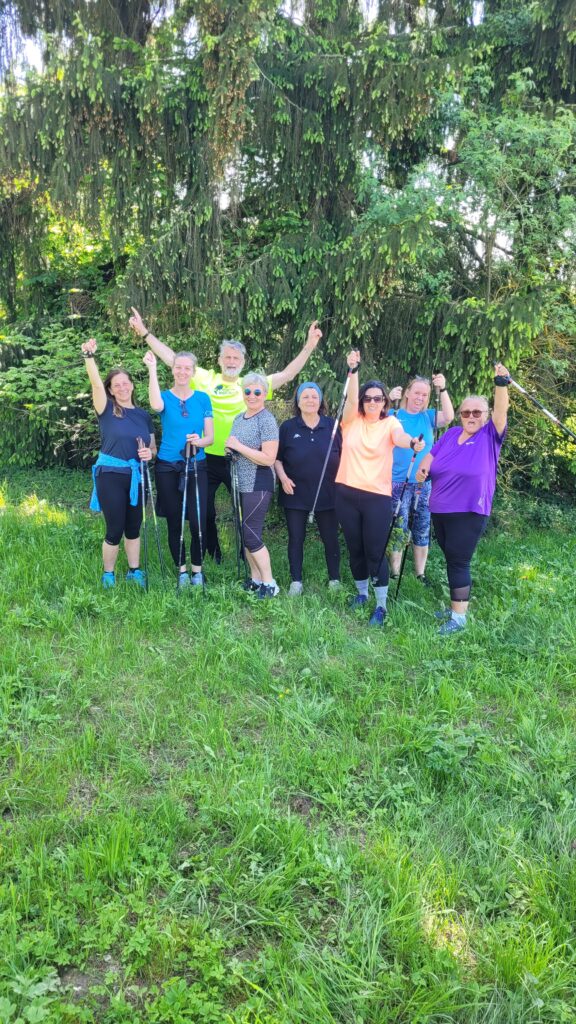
x=149, y=359
x=395, y=394
x=353, y=359
x=314, y=334
x=439, y=380
x=89, y=347
x=137, y=324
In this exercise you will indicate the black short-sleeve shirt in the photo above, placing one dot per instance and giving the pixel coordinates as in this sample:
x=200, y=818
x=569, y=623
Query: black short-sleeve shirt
x=302, y=451
x=118, y=434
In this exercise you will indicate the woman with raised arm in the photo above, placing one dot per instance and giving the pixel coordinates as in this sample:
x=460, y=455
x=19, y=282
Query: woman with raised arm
x=186, y=417
x=253, y=443
x=116, y=473
x=364, y=484
x=417, y=418
x=305, y=440
x=462, y=466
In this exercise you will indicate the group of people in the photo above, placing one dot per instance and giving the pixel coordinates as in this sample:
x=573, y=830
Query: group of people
x=376, y=465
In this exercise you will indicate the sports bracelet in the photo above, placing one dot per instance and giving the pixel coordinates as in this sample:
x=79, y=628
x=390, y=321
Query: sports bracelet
x=88, y=355
x=354, y=369
x=144, y=336
x=502, y=382
x=442, y=390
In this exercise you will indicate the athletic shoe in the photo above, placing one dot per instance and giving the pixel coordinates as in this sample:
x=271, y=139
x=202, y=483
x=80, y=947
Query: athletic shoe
x=443, y=614
x=424, y=580
x=250, y=586
x=268, y=590
x=198, y=579
x=449, y=627
x=358, y=601
x=378, y=616
x=183, y=580
x=136, y=576
x=296, y=589
x=334, y=584
x=108, y=580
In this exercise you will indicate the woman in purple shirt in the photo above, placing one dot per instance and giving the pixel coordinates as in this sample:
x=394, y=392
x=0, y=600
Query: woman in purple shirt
x=462, y=466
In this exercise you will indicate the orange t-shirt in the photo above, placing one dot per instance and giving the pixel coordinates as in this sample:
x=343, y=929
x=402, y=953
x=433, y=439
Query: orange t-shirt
x=367, y=449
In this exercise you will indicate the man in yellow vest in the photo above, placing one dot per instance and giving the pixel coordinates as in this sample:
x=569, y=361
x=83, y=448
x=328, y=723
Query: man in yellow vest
x=225, y=391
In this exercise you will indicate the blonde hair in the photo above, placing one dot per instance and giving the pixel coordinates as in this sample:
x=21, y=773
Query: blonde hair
x=415, y=380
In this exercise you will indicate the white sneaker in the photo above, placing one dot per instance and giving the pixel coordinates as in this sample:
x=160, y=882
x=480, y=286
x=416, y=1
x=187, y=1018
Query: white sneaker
x=296, y=589
x=334, y=584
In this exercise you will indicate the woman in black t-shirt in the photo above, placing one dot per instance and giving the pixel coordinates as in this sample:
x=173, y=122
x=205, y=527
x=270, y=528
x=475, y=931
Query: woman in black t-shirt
x=304, y=442
x=117, y=470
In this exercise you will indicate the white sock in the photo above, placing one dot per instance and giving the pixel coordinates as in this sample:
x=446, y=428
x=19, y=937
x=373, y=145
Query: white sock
x=362, y=587
x=381, y=595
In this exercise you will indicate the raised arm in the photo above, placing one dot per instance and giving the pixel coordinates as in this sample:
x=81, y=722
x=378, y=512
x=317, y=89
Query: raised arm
x=293, y=369
x=154, y=396
x=99, y=396
x=446, y=414
x=351, y=404
x=164, y=352
x=501, y=398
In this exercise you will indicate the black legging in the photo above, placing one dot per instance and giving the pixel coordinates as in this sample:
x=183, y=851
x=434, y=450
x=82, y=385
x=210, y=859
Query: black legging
x=170, y=499
x=365, y=520
x=255, y=505
x=327, y=522
x=218, y=471
x=122, y=518
x=458, y=534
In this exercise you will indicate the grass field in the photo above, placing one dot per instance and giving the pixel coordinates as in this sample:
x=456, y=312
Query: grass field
x=217, y=810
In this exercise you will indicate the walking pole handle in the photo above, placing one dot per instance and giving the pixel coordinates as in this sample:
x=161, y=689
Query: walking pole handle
x=187, y=450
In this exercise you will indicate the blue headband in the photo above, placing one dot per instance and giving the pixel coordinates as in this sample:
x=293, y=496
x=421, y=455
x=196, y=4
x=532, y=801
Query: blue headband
x=308, y=384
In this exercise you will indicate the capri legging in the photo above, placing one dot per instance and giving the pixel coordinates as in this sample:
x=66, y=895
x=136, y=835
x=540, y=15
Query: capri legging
x=255, y=505
x=122, y=518
x=327, y=522
x=170, y=499
x=458, y=534
x=365, y=520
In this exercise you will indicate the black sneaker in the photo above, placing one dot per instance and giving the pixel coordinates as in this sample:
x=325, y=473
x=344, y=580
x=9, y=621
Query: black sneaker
x=268, y=590
x=424, y=581
x=250, y=586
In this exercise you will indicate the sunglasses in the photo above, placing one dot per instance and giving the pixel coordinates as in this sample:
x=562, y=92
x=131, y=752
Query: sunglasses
x=476, y=413
x=256, y=391
x=378, y=399
x=183, y=410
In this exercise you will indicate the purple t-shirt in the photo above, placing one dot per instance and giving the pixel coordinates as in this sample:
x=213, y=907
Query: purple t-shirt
x=464, y=475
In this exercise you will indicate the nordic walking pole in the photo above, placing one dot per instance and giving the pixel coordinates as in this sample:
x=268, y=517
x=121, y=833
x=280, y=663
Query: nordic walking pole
x=140, y=444
x=195, y=450
x=436, y=411
x=337, y=419
x=396, y=512
x=155, y=523
x=238, y=523
x=411, y=518
x=183, y=520
x=542, y=408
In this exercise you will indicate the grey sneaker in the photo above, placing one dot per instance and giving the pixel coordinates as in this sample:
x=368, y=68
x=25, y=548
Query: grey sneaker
x=334, y=584
x=296, y=589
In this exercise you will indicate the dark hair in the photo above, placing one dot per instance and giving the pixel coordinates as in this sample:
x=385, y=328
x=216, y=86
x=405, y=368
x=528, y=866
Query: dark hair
x=374, y=384
x=322, y=408
x=116, y=409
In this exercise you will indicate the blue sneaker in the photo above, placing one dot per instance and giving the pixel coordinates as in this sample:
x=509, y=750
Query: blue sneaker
x=358, y=601
x=451, y=627
x=378, y=617
x=443, y=614
x=136, y=576
x=108, y=580
x=183, y=580
x=198, y=579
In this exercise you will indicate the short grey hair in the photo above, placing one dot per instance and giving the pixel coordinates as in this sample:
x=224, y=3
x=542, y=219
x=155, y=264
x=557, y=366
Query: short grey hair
x=256, y=378
x=185, y=355
x=475, y=398
x=230, y=343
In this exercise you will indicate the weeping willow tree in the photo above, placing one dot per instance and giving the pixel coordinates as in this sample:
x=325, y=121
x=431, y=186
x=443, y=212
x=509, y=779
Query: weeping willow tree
x=402, y=170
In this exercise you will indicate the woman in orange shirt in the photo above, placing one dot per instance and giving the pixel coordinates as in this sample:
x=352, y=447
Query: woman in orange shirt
x=364, y=484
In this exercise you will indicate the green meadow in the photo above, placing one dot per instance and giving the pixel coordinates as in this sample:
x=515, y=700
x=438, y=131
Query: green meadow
x=225, y=811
